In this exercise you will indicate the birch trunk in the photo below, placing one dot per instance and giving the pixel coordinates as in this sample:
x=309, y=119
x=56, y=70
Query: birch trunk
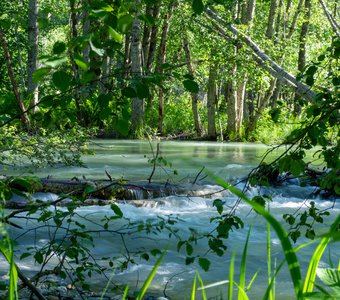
x=194, y=96
x=153, y=39
x=211, y=101
x=137, y=105
x=160, y=61
x=264, y=60
x=32, y=53
x=271, y=19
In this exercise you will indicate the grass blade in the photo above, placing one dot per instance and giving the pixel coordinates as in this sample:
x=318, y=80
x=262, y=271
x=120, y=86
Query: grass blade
x=231, y=277
x=243, y=269
x=289, y=252
x=311, y=272
x=150, y=277
x=193, y=290
x=252, y=280
x=269, y=260
x=126, y=290
x=204, y=296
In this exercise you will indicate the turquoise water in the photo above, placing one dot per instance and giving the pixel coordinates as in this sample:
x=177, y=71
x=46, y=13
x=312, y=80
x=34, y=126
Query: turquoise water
x=230, y=161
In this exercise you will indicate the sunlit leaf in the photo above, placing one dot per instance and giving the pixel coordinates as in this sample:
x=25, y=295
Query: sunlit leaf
x=39, y=74
x=115, y=35
x=124, y=23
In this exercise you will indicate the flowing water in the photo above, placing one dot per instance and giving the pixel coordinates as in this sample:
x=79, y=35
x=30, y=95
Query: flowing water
x=230, y=161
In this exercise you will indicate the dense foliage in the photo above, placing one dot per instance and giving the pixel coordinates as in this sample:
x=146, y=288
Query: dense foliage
x=218, y=70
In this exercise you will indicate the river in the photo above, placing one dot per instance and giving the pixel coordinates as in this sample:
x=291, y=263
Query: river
x=184, y=163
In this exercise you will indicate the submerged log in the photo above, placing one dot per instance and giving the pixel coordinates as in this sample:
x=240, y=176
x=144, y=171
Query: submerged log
x=103, y=192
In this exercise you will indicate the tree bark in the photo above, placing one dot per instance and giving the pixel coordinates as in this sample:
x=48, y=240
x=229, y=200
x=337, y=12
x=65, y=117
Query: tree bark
x=153, y=38
x=137, y=105
x=332, y=21
x=25, y=121
x=194, y=96
x=32, y=53
x=146, y=36
x=271, y=19
x=160, y=61
x=264, y=60
x=211, y=100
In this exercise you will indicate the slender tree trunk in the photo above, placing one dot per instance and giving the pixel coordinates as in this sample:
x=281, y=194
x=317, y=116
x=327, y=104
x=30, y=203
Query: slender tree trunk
x=137, y=105
x=294, y=20
x=75, y=69
x=146, y=36
x=32, y=53
x=264, y=60
x=231, y=95
x=271, y=19
x=18, y=97
x=302, y=48
x=335, y=25
x=194, y=96
x=22, y=76
x=211, y=100
x=160, y=61
x=153, y=38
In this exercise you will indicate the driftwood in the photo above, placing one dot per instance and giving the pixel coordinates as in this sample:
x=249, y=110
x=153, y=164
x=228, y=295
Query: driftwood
x=102, y=192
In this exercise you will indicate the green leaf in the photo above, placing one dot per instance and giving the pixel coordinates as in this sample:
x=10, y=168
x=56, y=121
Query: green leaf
x=336, y=80
x=89, y=189
x=204, y=263
x=142, y=90
x=98, y=51
x=311, y=70
x=39, y=258
x=191, y=86
x=189, y=249
x=115, y=208
x=61, y=80
x=80, y=62
x=189, y=260
x=115, y=35
x=59, y=47
x=197, y=6
x=54, y=61
x=129, y=92
x=123, y=126
x=124, y=23
x=24, y=255
x=39, y=74
x=297, y=167
x=310, y=80
x=218, y=203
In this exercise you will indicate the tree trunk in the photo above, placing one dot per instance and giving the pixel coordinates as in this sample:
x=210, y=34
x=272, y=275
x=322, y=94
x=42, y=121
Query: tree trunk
x=153, y=38
x=302, y=49
x=194, y=96
x=160, y=61
x=264, y=60
x=32, y=52
x=146, y=36
x=137, y=105
x=271, y=19
x=211, y=100
x=295, y=17
x=231, y=95
x=18, y=97
x=332, y=20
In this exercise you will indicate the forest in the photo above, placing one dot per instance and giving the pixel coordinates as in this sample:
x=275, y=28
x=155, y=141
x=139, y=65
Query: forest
x=81, y=80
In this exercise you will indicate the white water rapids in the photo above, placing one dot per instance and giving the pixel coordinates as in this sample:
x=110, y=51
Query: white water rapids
x=174, y=278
